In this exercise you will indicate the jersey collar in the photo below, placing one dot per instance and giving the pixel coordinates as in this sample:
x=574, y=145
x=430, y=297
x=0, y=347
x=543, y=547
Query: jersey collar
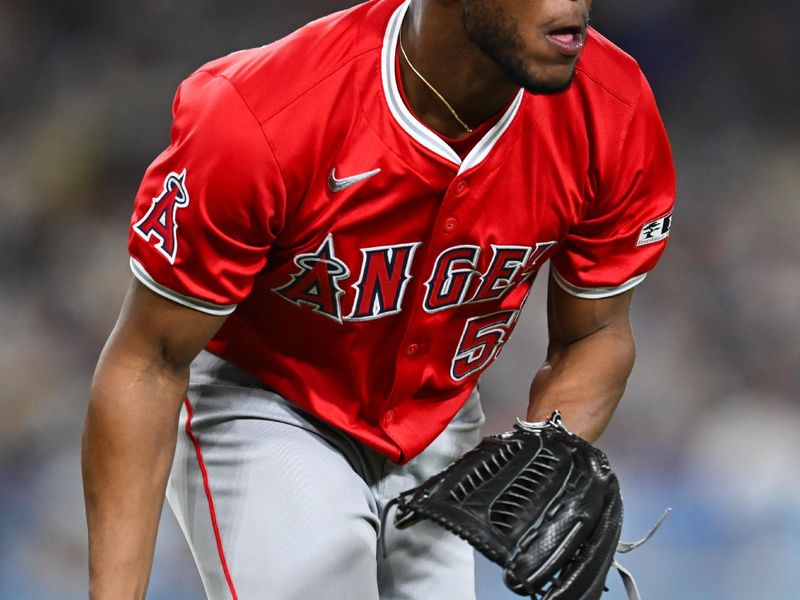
x=418, y=130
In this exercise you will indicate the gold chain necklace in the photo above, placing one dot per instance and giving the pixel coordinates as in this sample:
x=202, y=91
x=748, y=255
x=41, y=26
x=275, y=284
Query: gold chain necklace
x=431, y=88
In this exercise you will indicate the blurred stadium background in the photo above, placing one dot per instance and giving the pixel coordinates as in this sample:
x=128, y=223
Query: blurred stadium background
x=710, y=424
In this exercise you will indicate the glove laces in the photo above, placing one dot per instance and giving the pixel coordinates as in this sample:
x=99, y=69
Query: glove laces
x=624, y=547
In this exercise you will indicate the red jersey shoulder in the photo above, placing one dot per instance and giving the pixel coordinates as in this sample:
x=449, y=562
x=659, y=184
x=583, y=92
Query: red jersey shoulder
x=609, y=67
x=272, y=77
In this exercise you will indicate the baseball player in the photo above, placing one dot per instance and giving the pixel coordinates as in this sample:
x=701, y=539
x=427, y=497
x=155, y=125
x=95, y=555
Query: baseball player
x=336, y=243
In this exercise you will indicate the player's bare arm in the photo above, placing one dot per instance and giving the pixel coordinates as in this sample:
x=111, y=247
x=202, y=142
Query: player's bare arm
x=129, y=435
x=590, y=355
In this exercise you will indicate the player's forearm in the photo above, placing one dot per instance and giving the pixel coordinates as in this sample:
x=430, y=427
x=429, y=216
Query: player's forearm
x=128, y=445
x=584, y=380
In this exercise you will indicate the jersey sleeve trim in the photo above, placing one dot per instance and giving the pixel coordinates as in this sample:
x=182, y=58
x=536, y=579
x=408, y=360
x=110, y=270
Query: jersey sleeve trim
x=201, y=305
x=596, y=293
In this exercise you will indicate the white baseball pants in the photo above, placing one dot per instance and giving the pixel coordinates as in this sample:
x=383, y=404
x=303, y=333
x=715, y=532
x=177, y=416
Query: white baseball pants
x=277, y=505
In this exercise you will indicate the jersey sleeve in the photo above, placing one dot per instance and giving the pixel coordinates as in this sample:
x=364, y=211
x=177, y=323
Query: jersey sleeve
x=210, y=206
x=624, y=229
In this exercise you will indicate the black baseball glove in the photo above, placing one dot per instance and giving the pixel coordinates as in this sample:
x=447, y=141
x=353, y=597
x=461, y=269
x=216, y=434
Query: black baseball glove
x=539, y=501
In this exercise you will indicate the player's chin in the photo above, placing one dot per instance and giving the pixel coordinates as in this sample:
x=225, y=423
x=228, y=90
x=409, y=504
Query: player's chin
x=552, y=79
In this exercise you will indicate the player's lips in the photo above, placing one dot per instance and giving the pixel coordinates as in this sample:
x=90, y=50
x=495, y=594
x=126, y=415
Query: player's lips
x=567, y=40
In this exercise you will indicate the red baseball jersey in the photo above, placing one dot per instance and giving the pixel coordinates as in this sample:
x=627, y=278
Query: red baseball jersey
x=369, y=272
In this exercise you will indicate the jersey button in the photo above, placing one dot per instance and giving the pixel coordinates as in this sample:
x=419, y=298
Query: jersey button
x=388, y=417
x=461, y=187
x=412, y=349
x=450, y=224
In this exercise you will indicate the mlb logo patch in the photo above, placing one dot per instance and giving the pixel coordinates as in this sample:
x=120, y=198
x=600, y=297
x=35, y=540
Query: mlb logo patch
x=655, y=231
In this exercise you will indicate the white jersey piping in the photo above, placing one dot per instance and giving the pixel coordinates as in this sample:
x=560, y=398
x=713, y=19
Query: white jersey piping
x=595, y=293
x=201, y=305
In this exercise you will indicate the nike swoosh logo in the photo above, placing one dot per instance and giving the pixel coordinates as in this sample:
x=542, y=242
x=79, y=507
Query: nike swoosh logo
x=337, y=185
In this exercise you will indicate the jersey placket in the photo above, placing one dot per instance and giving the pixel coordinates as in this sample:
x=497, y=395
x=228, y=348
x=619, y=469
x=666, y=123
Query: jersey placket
x=415, y=141
x=415, y=343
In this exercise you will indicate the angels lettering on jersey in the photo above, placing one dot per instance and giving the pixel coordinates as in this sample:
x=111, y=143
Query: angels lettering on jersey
x=454, y=280
x=385, y=272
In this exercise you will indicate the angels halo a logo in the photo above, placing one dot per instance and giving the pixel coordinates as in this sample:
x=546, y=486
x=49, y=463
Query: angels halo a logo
x=160, y=221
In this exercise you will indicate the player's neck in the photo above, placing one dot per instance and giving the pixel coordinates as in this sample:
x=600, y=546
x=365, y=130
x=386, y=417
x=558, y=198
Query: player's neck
x=436, y=46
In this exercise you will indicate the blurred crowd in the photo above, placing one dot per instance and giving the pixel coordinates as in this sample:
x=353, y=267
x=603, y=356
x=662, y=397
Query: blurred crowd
x=710, y=424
